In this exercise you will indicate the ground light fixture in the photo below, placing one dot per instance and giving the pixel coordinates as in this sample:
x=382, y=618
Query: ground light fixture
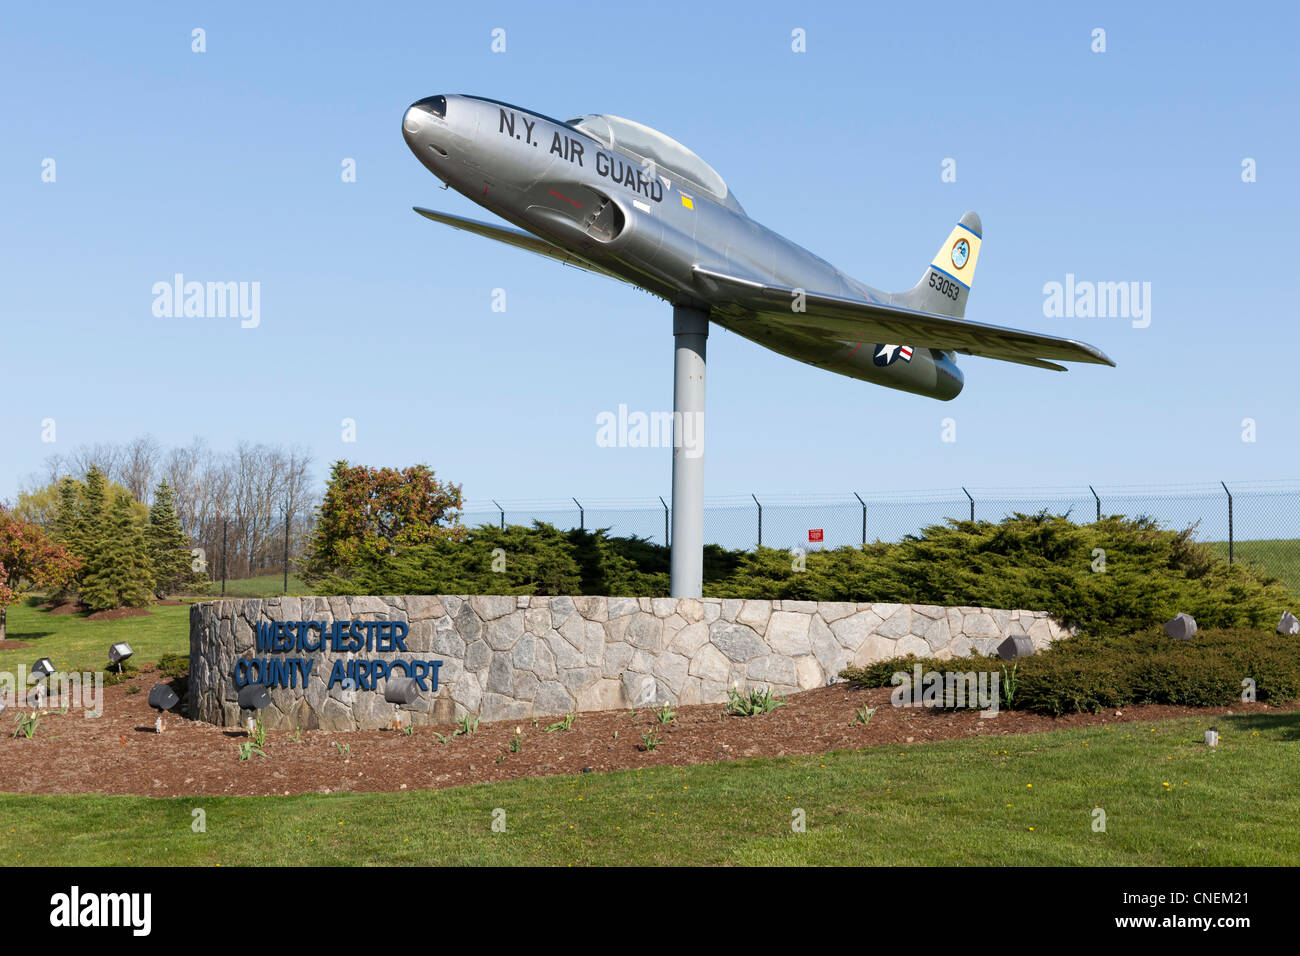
x=118, y=653
x=1015, y=647
x=43, y=668
x=1181, y=627
x=254, y=697
x=162, y=698
x=401, y=691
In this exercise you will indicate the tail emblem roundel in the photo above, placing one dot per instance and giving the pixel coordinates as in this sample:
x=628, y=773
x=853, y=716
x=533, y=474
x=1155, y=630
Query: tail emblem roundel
x=960, y=253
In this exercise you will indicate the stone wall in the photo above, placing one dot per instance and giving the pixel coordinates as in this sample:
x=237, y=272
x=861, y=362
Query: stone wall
x=516, y=657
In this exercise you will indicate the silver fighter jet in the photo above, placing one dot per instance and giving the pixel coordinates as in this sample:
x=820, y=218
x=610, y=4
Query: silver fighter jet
x=614, y=197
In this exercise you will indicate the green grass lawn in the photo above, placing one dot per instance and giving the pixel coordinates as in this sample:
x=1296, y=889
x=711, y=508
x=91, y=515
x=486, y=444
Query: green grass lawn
x=76, y=644
x=265, y=585
x=1279, y=558
x=1169, y=800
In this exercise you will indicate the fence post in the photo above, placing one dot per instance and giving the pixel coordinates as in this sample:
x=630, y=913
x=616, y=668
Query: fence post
x=864, y=517
x=667, y=542
x=503, y=514
x=225, y=526
x=972, y=504
x=1229, y=494
x=760, y=518
x=1094, y=495
x=582, y=515
x=286, y=548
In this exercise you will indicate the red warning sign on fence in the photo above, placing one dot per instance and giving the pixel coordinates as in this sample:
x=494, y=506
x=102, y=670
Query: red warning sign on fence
x=814, y=534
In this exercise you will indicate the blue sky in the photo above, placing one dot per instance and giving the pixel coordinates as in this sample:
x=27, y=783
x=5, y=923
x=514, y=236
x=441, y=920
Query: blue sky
x=225, y=166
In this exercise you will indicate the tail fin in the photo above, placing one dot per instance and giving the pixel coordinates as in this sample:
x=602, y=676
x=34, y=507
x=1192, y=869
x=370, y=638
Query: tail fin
x=947, y=281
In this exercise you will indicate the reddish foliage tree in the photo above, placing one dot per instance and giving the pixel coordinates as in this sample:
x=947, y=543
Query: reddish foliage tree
x=368, y=513
x=28, y=559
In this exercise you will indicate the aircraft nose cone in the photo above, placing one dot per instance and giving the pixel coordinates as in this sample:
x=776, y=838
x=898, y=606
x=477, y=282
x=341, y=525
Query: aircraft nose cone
x=423, y=119
x=413, y=127
x=411, y=121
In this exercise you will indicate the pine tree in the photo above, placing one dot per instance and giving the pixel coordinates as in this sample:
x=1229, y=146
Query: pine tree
x=122, y=573
x=67, y=528
x=68, y=513
x=91, y=528
x=169, y=549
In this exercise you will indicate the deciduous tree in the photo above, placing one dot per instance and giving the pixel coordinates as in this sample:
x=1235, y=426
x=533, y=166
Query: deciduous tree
x=368, y=513
x=28, y=560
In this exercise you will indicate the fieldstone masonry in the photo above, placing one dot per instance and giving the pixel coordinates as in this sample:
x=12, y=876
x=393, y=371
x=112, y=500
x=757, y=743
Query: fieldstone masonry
x=507, y=657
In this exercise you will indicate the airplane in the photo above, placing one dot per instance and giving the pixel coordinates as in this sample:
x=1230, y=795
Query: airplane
x=617, y=198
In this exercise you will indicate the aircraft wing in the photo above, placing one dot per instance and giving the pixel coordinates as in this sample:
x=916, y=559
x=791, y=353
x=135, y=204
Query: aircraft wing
x=855, y=320
x=514, y=237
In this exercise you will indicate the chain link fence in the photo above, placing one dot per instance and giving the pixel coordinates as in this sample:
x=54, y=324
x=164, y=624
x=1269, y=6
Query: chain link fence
x=1257, y=522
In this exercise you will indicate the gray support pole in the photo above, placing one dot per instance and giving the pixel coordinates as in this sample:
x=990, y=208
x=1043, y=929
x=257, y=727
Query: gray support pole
x=760, y=518
x=503, y=514
x=286, y=548
x=686, y=559
x=864, y=517
x=667, y=540
x=582, y=515
x=1229, y=494
x=972, y=504
x=1094, y=494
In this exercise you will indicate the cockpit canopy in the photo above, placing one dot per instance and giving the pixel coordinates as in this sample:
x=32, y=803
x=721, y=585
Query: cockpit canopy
x=649, y=144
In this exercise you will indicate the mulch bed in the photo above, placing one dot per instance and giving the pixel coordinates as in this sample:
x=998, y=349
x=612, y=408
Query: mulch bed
x=119, y=753
x=112, y=614
x=63, y=607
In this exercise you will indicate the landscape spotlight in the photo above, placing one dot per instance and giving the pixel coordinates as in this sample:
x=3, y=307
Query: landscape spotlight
x=1181, y=627
x=402, y=691
x=253, y=697
x=42, y=669
x=162, y=698
x=1016, y=646
x=118, y=653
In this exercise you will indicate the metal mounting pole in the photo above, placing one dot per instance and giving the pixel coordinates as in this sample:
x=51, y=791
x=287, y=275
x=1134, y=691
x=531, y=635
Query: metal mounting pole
x=1094, y=494
x=864, y=517
x=582, y=515
x=686, y=559
x=286, y=548
x=1229, y=494
x=972, y=504
x=667, y=540
x=503, y=514
x=760, y=518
